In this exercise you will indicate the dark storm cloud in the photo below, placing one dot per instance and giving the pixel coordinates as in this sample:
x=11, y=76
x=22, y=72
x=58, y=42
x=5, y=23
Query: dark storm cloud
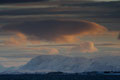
x=43, y=11
x=97, y=4
x=91, y=10
x=18, y=1
x=23, y=1
x=113, y=9
x=55, y=30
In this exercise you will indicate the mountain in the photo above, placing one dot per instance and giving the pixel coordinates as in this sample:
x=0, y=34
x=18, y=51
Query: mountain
x=2, y=68
x=105, y=63
x=53, y=63
x=50, y=63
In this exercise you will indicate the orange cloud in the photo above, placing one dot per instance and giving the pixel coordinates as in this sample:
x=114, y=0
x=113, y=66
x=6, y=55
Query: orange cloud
x=59, y=31
x=44, y=50
x=18, y=39
x=85, y=47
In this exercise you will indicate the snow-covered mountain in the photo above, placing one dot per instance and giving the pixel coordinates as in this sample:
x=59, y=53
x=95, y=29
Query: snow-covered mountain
x=54, y=63
x=2, y=68
x=105, y=63
x=49, y=63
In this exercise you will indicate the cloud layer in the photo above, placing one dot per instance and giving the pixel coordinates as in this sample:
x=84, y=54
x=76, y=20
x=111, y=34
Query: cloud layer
x=44, y=50
x=85, y=47
x=18, y=1
x=22, y=1
x=55, y=30
x=119, y=36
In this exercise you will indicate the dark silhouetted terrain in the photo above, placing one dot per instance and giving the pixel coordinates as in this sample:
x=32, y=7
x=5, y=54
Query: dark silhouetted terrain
x=58, y=77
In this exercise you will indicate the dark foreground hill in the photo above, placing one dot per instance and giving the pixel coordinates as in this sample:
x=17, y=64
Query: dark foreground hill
x=58, y=77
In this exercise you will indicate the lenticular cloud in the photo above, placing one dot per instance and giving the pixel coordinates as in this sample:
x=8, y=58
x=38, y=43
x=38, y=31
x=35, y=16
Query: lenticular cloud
x=56, y=30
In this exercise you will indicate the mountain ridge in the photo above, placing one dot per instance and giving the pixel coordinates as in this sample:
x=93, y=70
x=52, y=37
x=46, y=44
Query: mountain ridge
x=50, y=63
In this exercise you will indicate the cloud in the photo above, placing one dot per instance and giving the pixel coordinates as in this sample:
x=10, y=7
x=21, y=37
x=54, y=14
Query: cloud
x=58, y=31
x=119, y=36
x=43, y=50
x=85, y=47
x=75, y=0
x=3, y=59
x=10, y=62
x=19, y=39
x=18, y=1
x=22, y=1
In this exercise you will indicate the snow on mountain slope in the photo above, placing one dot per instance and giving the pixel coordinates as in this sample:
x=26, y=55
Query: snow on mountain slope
x=2, y=68
x=50, y=63
x=105, y=63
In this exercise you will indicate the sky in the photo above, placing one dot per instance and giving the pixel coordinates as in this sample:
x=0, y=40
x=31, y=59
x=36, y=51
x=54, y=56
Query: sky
x=70, y=28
